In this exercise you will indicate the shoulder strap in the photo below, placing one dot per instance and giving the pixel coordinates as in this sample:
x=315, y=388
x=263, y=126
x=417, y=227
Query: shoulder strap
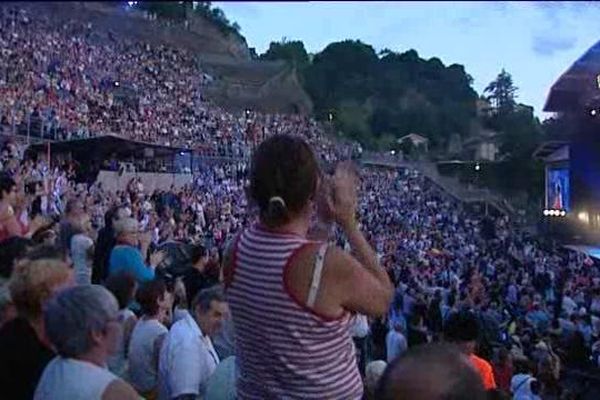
x=316, y=278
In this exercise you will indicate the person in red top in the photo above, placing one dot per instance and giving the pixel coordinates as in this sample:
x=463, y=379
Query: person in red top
x=462, y=329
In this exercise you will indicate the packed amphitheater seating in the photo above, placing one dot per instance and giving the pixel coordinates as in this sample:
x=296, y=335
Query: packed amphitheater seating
x=205, y=258
x=59, y=81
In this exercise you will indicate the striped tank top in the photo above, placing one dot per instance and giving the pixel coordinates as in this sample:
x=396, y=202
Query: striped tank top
x=285, y=350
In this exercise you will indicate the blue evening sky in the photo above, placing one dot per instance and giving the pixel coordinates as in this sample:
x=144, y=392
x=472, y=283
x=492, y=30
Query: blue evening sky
x=534, y=41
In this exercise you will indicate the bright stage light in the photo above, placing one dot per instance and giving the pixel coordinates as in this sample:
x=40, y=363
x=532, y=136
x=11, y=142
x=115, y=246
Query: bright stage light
x=593, y=113
x=546, y=212
x=584, y=217
x=563, y=213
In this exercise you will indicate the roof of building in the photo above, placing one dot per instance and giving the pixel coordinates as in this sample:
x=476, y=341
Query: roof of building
x=578, y=85
x=415, y=137
x=552, y=151
x=102, y=146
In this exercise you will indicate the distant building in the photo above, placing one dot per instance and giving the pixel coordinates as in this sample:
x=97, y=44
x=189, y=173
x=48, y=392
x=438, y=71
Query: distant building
x=417, y=140
x=455, y=144
x=484, y=146
x=484, y=108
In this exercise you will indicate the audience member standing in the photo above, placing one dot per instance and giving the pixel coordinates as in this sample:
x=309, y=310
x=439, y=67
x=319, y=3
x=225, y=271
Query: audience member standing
x=298, y=317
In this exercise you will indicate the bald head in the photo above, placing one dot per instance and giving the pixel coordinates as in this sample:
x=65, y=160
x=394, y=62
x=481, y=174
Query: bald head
x=431, y=372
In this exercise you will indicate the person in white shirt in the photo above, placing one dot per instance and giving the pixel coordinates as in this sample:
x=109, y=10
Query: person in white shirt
x=81, y=323
x=147, y=338
x=187, y=357
x=360, y=332
x=395, y=343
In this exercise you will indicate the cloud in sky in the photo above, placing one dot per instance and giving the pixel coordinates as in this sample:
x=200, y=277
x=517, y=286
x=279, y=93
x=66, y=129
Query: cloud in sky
x=547, y=44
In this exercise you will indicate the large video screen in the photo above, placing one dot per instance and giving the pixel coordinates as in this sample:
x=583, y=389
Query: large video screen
x=558, y=190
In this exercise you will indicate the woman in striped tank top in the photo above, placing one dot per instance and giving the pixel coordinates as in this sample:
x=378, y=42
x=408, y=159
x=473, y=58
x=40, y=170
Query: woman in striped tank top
x=292, y=299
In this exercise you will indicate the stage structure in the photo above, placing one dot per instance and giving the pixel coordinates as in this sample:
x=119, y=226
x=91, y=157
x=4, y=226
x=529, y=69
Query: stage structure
x=573, y=165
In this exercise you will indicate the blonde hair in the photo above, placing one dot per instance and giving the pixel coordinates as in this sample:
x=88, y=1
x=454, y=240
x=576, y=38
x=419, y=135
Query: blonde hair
x=33, y=282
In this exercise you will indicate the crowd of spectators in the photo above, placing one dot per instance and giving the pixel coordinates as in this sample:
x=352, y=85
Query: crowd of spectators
x=66, y=80
x=128, y=293
x=442, y=258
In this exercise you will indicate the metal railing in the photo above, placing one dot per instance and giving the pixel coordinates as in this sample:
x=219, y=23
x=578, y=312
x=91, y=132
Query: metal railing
x=43, y=126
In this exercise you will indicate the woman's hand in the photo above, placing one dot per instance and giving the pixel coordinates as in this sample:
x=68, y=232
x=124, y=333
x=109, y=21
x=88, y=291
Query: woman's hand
x=324, y=201
x=345, y=197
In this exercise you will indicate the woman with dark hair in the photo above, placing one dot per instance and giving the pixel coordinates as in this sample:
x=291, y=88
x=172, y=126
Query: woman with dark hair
x=105, y=243
x=195, y=279
x=147, y=338
x=123, y=287
x=291, y=298
x=417, y=332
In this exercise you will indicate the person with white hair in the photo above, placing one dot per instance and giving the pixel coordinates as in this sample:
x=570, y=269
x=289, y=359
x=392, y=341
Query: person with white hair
x=127, y=258
x=373, y=374
x=81, y=323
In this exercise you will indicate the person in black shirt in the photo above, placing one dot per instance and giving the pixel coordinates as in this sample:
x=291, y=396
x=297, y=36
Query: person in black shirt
x=24, y=349
x=195, y=279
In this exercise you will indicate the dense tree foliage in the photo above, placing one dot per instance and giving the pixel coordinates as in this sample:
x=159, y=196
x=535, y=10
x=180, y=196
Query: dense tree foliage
x=373, y=97
x=521, y=132
x=290, y=51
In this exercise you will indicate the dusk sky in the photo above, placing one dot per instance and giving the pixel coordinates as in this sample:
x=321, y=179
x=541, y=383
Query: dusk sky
x=535, y=42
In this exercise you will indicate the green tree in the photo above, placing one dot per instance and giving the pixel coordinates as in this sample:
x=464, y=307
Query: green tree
x=174, y=10
x=291, y=51
x=342, y=73
x=502, y=93
x=352, y=118
x=405, y=93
